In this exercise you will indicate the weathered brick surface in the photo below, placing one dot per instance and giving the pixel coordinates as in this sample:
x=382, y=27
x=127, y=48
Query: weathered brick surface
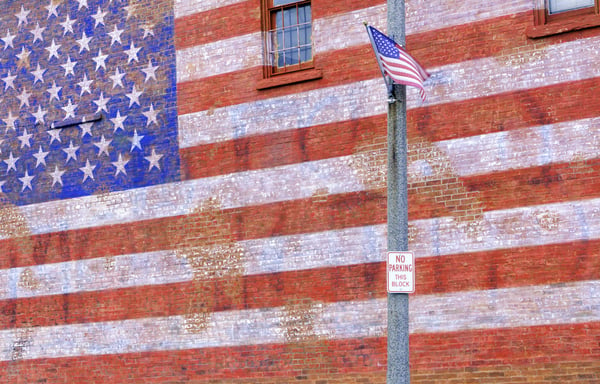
x=265, y=263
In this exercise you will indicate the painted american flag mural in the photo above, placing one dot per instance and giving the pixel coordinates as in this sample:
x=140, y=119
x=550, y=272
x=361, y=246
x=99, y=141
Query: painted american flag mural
x=262, y=259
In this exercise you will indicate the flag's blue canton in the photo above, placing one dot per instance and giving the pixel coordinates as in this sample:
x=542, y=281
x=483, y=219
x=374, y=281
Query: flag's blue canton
x=385, y=45
x=64, y=61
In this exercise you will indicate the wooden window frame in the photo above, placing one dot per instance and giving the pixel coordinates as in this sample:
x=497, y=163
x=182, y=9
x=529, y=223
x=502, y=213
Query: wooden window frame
x=289, y=74
x=546, y=24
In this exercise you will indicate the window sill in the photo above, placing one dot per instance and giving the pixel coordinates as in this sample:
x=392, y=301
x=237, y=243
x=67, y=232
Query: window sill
x=289, y=78
x=562, y=26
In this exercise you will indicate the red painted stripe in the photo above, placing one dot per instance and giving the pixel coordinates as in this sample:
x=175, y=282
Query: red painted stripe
x=544, y=265
x=282, y=148
x=317, y=359
x=291, y=361
x=244, y=18
x=510, y=346
x=202, y=228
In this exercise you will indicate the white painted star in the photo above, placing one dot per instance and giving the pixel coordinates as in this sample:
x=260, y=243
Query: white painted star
x=39, y=115
x=10, y=121
x=154, y=160
x=52, y=8
x=53, y=50
x=99, y=17
x=37, y=32
x=57, y=176
x=147, y=31
x=85, y=85
x=100, y=60
x=40, y=157
x=68, y=25
x=38, y=74
x=136, y=140
x=131, y=10
x=134, y=96
x=25, y=138
x=82, y=3
x=118, y=121
x=120, y=165
x=150, y=71
x=54, y=135
x=84, y=42
x=150, y=116
x=132, y=52
x=69, y=66
x=24, y=98
x=103, y=145
x=53, y=91
x=9, y=81
x=101, y=103
x=86, y=128
x=117, y=78
x=11, y=163
x=8, y=39
x=69, y=109
x=23, y=57
x=115, y=36
x=26, y=180
x=88, y=171
x=22, y=16
x=71, y=152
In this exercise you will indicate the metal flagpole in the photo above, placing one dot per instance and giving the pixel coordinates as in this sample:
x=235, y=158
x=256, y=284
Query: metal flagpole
x=398, y=371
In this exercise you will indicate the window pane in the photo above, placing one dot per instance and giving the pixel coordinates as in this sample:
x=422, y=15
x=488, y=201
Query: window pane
x=283, y=2
x=291, y=36
x=556, y=6
x=304, y=14
x=290, y=17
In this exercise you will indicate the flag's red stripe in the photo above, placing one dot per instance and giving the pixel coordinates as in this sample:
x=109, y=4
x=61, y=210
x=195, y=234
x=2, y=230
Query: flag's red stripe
x=321, y=213
x=527, y=266
x=553, y=346
x=285, y=147
x=506, y=111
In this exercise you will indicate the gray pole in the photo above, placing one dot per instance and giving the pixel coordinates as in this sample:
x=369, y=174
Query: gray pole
x=398, y=371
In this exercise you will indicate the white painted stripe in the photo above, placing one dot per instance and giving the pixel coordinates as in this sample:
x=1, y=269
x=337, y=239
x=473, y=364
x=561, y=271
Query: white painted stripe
x=278, y=254
x=289, y=182
x=512, y=307
x=451, y=83
x=577, y=140
x=189, y=7
x=504, y=229
x=300, y=110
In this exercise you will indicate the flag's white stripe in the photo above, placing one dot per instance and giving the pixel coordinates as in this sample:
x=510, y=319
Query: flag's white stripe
x=335, y=248
x=284, y=183
x=451, y=83
x=512, y=307
x=501, y=229
x=189, y=7
x=571, y=141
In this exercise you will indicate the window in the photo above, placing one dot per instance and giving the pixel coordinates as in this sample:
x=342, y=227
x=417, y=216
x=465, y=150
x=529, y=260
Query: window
x=288, y=43
x=289, y=35
x=558, y=16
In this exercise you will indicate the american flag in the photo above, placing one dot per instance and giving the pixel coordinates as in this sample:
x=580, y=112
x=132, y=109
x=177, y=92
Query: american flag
x=264, y=261
x=397, y=63
x=88, y=99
